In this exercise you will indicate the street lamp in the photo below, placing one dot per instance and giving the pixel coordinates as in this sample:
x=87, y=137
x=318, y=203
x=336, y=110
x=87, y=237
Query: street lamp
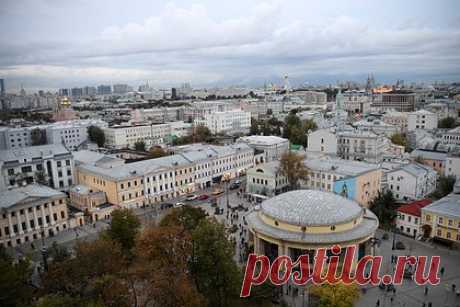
x=393, y=246
x=44, y=249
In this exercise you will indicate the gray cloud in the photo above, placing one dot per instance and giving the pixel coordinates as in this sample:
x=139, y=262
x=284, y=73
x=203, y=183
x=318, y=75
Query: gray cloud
x=180, y=43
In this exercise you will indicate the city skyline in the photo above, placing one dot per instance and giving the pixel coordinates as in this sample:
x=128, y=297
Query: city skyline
x=52, y=44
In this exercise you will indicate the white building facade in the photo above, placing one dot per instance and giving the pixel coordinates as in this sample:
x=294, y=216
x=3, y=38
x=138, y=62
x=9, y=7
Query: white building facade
x=422, y=119
x=234, y=121
x=411, y=181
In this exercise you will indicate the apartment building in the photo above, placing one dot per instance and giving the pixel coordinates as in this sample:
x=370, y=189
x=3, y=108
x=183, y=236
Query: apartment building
x=266, y=179
x=31, y=212
x=399, y=100
x=52, y=165
x=441, y=219
x=272, y=147
x=398, y=119
x=231, y=122
x=409, y=219
x=361, y=145
x=125, y=136
x=422, y=119
x=431, y=158
x=356, y=180
x=322, y=141
x=412, y=181
x=452, y=165
x=451, y=137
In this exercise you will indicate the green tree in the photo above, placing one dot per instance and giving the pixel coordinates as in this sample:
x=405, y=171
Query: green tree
x=383, y=205
x=445, y=186
x=337, y=295
x=124, y=228
x=15, y=289
x=254, y=130
x=292, y=166
x=140, y=145
x=96, y=135
x=38, y=136
x=41, y=177
x=186, y=217
x=216, y=274
x=448, y=123
x=201, y=133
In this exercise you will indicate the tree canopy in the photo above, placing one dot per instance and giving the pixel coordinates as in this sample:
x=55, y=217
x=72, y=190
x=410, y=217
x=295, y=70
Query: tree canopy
x=383, y=205
x=445, y=186
x=336, y=295
x=124, y=228
x=448, y=123
x=140, y=145
x=96, y=135
x=292, y=166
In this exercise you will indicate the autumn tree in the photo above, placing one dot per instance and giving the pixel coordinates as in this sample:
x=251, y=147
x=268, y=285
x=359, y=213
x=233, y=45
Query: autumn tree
x=292, y=167
x=399, y=139
x=157, y=152
x=162, y=268
x=96, y=135
x=95, y=276
x=336, y=295
x=124, y=228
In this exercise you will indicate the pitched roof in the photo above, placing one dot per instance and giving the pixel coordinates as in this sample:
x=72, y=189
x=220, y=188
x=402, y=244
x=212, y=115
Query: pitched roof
x=12, y=197
x=414, y=208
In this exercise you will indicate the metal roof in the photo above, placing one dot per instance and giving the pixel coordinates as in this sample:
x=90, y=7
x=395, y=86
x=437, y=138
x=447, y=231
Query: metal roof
x=12, y=197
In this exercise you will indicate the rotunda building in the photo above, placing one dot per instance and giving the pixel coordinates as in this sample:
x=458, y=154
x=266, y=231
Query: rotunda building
x=299, y=222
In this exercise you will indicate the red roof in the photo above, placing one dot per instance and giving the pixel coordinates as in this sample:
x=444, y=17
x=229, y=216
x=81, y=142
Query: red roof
x=415, y=207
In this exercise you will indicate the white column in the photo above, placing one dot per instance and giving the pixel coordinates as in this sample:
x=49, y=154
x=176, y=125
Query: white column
x=27, y=220
x=52, y=221
x=34, y=211
x=10, y=225
x=42, y=208
x=18, y=218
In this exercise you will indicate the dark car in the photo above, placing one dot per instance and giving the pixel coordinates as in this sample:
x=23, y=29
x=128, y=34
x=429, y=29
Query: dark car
x=166, y=206
x=234, y=186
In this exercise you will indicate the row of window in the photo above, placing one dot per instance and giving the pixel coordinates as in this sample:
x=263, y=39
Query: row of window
x=34, y=237
x=48, y=219
x=30, y=209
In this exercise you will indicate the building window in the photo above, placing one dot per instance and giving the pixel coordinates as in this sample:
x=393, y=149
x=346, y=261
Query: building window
x=440, y=220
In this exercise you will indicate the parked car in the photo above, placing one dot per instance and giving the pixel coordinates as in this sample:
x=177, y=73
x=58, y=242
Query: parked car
x=191, y=197
x=217, y=192
x=179, y=204
x=234, y=186
x=203, y=197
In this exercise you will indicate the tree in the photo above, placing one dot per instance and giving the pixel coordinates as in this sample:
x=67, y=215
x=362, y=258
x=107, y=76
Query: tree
x=399, y=139
x=336, y=295
x=157, y=152
x=448, y=123
x=140, y=145
x=445, y=187
x=201, y=133
x=124, y=228
x=15, y=289
x=96, y=135
x=383, y=205
x=215, y=272
x=94, y=277
x=254, y=130
x=292, y=166
x=38, y=136
x=41, y=177
x=162, y=268
x=186, y=217
x=309, y=124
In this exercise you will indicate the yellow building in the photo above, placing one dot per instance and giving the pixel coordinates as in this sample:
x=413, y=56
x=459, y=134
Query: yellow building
x=133, y=185
x=299, y=222
x=441, y=219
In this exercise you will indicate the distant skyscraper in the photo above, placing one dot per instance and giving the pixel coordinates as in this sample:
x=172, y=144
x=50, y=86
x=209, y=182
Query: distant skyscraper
x=77, y=92
x=120, y=88
x=64, y=92
x=173, y=93
x=2, y=87
x=89, y=91
x=104, y=90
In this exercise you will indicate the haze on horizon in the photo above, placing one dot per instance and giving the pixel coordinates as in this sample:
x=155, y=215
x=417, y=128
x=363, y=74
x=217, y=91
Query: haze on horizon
x=55, y=43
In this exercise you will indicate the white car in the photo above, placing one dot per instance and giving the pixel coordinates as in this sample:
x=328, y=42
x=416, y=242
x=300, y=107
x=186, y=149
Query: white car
x=178, y=205
x=191, y=197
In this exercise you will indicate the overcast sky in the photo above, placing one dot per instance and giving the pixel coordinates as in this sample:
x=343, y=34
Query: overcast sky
x=64, y=43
